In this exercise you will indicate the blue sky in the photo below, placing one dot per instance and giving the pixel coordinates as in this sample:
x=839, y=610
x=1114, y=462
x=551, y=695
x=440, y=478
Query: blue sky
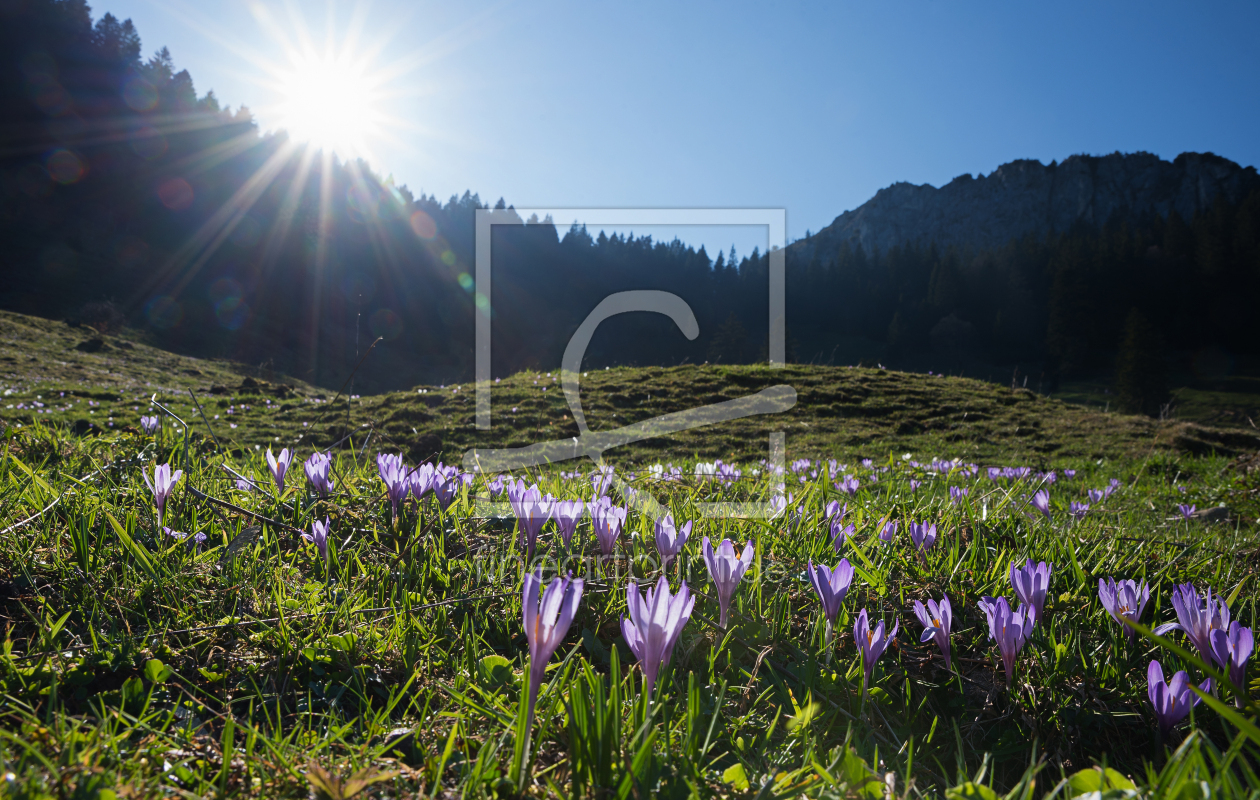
x=807, y=107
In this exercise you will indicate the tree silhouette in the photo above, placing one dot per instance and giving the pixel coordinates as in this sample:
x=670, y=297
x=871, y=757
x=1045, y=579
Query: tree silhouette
x=1141, y=373
x=119, y=184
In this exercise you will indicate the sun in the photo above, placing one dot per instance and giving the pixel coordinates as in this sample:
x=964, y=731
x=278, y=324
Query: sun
x=332, y=103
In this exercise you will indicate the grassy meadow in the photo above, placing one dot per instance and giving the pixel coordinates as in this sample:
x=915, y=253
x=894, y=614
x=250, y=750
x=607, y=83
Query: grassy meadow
x=137, y=663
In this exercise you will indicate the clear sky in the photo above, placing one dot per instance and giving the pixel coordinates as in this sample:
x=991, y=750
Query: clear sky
x=807, y=107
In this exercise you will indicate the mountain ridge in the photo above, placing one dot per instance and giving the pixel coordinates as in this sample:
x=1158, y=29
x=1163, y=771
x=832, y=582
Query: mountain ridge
x=1027, y=197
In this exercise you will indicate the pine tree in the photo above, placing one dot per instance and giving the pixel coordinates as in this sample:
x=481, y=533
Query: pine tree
x=1141, y=376
x=1071, y=316
x=730, y=343
x=898, y=336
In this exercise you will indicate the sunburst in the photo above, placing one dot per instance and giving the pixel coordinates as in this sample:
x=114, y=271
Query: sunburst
x=332, y=102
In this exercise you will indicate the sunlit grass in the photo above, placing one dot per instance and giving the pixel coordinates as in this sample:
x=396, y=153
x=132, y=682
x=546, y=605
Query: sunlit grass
x=133, y=660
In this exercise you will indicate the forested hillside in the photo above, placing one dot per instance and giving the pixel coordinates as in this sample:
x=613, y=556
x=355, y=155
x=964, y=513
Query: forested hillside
x=128, y=199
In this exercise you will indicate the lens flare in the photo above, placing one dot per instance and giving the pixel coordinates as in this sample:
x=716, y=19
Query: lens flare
x=148, y=143
x=423, y=225
x=65, y=167
x=164, y=312
x=176, y=194
x=139, y=94
x=232, y=312
x=386, y=324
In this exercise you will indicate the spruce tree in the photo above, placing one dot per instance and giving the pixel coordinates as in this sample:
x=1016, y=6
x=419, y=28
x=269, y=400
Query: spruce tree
x=1141, y=376
x=730, y=343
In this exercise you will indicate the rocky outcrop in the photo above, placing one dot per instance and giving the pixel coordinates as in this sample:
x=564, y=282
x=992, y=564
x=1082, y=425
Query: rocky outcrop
x=1027, y=196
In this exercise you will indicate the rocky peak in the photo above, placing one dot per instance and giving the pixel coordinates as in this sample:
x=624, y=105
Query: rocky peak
x=1026, y=196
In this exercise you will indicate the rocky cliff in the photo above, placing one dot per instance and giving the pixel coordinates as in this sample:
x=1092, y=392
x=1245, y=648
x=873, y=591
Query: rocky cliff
x=1030, y=197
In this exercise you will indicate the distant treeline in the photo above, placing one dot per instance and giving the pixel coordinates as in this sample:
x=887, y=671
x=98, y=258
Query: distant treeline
x=1061, y=299
x=127, y=199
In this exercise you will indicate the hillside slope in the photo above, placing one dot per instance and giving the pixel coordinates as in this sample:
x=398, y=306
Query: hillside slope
x=53, y=373
x=36, y=351
x=840, y=411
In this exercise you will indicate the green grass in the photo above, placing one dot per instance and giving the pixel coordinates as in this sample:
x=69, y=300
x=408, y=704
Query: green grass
x=41, y=353
x=1238, y=406
x=840, y=411
x=1231, y=402
x=133, y=661
x=135, y=665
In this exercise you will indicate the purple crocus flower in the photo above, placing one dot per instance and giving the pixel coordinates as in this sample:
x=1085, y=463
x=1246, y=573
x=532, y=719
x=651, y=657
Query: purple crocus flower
x=279, y=465
x=670, y=538
x=1112, y=485
x=994, y=473
x=1187, y=511
x=914, y=485
x=726, y=568
x=547, y=619
x=654, y=625
x=317, y=469
x=567, y=514
x=796, y=516
x=1031, y=582
x=196, y=541
x=388, y=462
x=1231, y=649
x=840, y=532
x=162, y=485
x=923, y=534
x=608, y=521
x=495, y=487
x=595, y=503
x=1069, y=473
x=778, y=504
x=1009, y=628
x=601, y=480
x=956, y=494
x=936, y=619
x=149, y=424
x=394, y=474
x=831, y=585
x=835, y=510
x=848, y=485
x=1173, y=700
x=1095, y=495
x=532, y=512
x=1041, y=502
x=1078, y=510
x=420, y=480
x=872, y=644
x=889, y=531
x=319, y=537
x=446, y=486
x=1198, y=618
x=1124, y=601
